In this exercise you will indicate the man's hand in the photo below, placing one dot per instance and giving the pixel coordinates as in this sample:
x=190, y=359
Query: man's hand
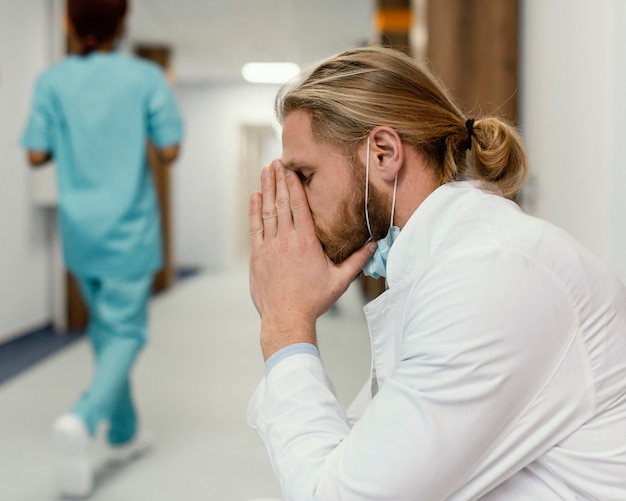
x=292, y=282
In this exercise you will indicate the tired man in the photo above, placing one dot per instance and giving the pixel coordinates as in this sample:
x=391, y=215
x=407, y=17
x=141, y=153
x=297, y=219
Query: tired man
x=499, y=347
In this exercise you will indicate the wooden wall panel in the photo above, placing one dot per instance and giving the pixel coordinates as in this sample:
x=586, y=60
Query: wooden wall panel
x=393, y=19
x=473, y=48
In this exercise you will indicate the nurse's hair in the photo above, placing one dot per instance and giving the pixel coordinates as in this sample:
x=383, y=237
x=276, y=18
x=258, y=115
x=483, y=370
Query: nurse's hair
x=96, y=21
x=351, y=93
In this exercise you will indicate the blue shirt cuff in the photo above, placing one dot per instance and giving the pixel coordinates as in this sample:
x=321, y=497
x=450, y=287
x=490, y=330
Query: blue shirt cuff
x=287, y=351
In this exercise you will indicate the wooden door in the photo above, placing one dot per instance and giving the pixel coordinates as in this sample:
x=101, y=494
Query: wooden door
x=473, y=48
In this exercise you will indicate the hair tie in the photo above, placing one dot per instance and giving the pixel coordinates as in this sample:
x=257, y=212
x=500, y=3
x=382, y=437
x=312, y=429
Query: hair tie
x=469, y=124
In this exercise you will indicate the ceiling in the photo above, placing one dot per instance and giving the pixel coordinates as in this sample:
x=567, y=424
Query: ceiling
x=212, y=39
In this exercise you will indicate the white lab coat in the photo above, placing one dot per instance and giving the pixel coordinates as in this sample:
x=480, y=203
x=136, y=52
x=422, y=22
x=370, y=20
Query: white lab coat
x=498, y=371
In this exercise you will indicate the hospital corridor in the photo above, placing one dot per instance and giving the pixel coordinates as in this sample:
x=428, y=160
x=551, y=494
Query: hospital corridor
x=192, y=386
x=131, y=141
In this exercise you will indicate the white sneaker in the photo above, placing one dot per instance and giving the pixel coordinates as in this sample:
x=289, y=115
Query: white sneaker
x=73, y=450
x=138, y=446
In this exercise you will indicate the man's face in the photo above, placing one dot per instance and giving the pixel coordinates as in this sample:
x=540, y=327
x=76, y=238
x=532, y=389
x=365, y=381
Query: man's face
x=335, y=189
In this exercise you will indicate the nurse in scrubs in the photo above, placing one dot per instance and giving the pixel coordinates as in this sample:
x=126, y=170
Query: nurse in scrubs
x=94, y=114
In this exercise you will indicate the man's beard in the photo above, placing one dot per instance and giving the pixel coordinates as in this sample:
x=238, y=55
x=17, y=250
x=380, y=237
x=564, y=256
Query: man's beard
x=348, y=232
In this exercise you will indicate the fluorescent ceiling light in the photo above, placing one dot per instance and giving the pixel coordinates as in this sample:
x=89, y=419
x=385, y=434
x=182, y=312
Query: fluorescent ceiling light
x=269, y=72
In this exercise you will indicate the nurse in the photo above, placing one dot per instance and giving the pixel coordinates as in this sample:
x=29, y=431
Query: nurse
x=499, y=347
x=94, y=114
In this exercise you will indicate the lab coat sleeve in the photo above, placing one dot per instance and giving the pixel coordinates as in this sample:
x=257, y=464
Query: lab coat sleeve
x=479, y=338
x=268, y=412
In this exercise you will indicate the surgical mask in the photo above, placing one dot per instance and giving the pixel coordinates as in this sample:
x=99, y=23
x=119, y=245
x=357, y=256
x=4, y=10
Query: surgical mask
x=376, y=267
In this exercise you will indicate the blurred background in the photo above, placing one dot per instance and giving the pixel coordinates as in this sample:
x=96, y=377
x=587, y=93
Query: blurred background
x=556, y=68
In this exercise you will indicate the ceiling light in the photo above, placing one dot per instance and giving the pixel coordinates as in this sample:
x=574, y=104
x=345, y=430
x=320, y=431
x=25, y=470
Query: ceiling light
x=269, y=72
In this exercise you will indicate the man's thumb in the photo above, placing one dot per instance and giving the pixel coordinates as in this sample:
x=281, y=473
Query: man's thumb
x=353, y=265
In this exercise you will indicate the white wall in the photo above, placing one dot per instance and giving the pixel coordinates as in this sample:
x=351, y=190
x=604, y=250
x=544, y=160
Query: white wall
x=25, y=49
x=572, y=113
x=618, y=131
x=207, y=199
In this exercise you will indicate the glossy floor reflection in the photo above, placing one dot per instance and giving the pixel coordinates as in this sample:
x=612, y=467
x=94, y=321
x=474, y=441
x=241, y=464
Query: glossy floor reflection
x=192, y=386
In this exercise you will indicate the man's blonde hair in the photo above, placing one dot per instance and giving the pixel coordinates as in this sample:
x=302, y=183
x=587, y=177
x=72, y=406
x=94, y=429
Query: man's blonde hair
x=351, y=93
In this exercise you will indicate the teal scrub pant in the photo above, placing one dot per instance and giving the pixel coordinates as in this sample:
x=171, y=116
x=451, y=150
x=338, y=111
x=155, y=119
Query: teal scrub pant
x=118, y=323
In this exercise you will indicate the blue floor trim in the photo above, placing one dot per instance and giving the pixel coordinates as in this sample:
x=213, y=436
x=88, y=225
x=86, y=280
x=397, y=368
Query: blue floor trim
x=25, y=351
x=186, y=271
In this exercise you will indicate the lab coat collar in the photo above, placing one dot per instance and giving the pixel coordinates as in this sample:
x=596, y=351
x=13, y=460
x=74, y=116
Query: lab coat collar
x=426, y=228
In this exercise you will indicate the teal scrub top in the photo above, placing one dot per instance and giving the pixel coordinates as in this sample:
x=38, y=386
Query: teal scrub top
x=95, y=114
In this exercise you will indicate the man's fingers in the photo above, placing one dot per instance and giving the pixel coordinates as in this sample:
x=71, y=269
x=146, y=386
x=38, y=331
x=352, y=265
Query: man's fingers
x=282, y=203
x=299, y=205
x=255, y=218
x=268, y=189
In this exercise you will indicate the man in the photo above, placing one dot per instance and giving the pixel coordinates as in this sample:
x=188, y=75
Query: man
x=499, y=348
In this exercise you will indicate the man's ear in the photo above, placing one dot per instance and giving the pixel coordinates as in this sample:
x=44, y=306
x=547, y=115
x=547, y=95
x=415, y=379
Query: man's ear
x=387, y=152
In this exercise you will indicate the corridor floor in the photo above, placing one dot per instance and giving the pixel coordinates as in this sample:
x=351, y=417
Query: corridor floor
x=192, y=386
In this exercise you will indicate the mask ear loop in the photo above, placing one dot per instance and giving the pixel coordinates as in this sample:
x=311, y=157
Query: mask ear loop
x=393, y=202
x=367, y=184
